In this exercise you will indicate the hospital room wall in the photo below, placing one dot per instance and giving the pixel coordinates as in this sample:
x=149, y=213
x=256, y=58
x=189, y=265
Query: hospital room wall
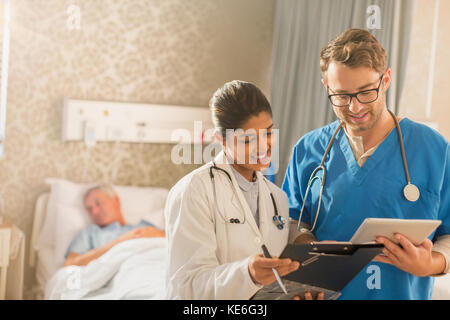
x=415, y=96
x=173, y=52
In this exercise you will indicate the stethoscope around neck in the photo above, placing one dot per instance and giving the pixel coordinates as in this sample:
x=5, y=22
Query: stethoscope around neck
x=410, y=191
x=278, y=220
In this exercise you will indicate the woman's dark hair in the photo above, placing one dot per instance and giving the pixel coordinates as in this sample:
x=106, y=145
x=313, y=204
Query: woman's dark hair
x=235, y=103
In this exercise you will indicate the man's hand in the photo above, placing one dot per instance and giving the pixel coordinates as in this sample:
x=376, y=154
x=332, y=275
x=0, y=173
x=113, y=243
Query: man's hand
x=144, y=232
x=419, y=260
x=308, y=296
x=260, y=268
x=150, y=232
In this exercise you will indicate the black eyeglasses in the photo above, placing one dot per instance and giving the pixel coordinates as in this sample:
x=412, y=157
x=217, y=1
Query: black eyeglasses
x=365, y=96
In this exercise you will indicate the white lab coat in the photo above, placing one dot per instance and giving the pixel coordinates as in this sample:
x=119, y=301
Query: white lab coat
x=208, y=258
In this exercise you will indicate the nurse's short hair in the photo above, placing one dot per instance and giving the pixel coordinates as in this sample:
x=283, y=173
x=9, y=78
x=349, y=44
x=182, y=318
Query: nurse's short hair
x=233, y=104
x=105, y=188
x=354, y=48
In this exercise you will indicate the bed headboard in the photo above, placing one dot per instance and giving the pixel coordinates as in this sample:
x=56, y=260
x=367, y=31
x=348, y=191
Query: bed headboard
x=40, y=211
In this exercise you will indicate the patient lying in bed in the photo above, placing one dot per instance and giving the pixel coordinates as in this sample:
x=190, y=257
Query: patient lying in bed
x=108, y=230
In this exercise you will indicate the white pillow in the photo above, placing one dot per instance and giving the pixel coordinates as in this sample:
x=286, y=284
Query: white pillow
x=142, y=203
x=62, y=192
x=66, y=214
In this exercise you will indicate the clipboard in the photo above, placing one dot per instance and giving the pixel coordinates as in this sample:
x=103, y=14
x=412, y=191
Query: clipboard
x=324, y=267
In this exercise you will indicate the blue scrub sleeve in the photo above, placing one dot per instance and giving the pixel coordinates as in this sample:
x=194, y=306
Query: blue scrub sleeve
x=81, y=243
x=444, y=207
x=292, y=187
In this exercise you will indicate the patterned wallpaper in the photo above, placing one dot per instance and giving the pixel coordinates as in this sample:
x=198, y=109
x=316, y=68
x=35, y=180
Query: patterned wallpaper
x=151, y=51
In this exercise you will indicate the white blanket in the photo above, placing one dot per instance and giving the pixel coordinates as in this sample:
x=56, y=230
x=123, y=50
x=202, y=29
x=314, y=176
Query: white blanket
x=133, y=269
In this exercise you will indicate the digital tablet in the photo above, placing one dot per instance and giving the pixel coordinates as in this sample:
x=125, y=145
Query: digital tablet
x=415, y=230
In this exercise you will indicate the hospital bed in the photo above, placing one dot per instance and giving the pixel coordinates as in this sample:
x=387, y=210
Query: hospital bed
x=134, y=269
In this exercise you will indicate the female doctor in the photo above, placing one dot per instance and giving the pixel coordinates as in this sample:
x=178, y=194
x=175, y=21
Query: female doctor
x=219, y=216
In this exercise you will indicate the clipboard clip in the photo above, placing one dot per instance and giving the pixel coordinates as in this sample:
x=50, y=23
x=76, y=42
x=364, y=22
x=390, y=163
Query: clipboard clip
x=316, y=256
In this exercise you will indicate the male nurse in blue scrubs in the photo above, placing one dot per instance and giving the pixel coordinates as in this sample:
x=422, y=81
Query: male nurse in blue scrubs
x=366, y=176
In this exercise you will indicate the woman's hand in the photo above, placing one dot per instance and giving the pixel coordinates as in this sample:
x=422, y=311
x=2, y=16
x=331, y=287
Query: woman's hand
x=260, y=268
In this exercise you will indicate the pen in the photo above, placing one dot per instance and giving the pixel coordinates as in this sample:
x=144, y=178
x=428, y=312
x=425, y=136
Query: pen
x=275, y=272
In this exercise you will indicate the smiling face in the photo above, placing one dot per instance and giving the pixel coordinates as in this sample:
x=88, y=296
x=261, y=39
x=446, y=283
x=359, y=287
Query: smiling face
x=258, y=143
x=242, y=119
x=250, y=147
x=358, y=117
x=103, y=209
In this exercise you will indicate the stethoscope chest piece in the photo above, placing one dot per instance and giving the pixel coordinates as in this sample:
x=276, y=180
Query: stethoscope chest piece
x=411, y=192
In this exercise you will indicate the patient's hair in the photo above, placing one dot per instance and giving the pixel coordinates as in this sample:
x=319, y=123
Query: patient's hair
x=105, y=188
x=235, y=103
x=354, y=48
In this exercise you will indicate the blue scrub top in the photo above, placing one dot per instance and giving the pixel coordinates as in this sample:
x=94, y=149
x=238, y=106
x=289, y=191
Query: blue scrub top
x=353, y=193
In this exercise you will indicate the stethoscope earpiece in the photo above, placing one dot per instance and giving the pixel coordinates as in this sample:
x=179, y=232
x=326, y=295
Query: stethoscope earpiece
x=279, y=221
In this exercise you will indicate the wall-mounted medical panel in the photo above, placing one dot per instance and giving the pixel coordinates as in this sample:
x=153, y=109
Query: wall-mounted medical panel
x=93, y=121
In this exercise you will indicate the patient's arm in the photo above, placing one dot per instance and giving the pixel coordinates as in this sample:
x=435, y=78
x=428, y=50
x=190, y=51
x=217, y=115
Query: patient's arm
x=147, y=232
x=83, y=259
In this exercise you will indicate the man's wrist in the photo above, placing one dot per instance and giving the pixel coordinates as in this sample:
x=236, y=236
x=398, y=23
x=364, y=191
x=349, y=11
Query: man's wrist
x=305, y=237
x=438, y=263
